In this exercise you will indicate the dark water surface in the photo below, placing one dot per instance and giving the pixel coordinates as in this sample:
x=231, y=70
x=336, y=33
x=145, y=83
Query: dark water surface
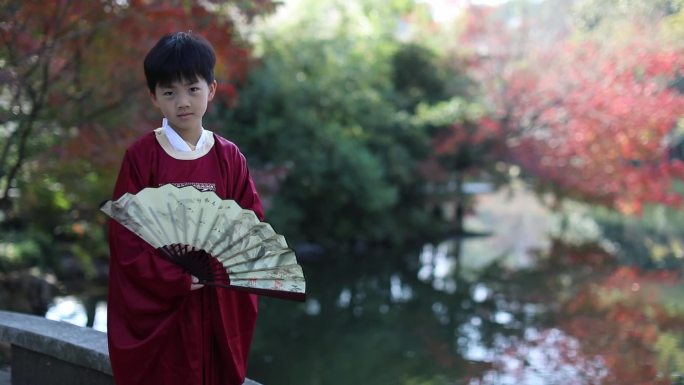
x=410, y=317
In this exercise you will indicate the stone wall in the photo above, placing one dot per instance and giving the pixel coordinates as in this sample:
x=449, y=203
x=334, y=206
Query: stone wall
x=54, y=353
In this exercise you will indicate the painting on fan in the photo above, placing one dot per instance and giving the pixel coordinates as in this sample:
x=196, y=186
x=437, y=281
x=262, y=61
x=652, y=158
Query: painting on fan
x=213, y=239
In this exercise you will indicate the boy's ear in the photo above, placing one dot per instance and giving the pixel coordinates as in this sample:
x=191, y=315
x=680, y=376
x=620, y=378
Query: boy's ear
x=153, y=97
x=212, y=90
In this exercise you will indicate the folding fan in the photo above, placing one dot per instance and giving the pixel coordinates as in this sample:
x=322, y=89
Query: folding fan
x=213, y=239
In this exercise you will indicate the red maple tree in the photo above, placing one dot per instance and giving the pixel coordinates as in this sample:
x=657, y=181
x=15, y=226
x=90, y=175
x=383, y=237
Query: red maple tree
x=593, y=119
x=596, y=123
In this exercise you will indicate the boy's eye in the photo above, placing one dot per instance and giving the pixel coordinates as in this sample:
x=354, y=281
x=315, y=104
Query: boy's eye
x=167, y=93
x=194, y=89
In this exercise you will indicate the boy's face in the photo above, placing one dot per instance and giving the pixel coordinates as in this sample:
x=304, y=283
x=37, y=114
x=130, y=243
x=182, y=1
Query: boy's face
x=184, y=103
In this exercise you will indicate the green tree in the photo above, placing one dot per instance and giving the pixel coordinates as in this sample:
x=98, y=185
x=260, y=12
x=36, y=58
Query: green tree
x=331, y=104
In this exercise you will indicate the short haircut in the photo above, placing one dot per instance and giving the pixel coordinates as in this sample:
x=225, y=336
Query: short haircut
x=180, y=56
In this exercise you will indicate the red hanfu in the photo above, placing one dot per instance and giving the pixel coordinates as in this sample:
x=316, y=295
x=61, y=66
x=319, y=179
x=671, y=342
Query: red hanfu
x=159, y=331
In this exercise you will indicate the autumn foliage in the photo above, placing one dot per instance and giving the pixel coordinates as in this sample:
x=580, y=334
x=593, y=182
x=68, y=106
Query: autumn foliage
x=72, y=72
x=593, y=118
x=597, y=123
x=622, y=319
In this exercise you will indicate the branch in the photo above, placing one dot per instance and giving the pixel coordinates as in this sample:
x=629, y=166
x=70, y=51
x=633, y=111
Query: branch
x=37, y=105
x=5, y=149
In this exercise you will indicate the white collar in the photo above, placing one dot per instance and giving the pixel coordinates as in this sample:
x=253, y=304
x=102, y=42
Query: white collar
x=178, y=143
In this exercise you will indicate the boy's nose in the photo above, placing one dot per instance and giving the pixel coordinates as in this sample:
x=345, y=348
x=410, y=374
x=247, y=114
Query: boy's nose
x=183, y=102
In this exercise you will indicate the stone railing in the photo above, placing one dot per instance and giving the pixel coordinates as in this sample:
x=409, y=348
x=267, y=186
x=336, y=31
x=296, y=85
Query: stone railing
x=55, y=353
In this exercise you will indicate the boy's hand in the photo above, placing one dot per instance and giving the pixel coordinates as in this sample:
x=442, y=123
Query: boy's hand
x=194, y=285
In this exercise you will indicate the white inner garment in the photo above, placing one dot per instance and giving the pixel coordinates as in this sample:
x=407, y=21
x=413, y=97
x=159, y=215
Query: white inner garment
x=179, y=143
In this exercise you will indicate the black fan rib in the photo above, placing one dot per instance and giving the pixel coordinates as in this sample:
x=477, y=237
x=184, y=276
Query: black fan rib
x=197, y=262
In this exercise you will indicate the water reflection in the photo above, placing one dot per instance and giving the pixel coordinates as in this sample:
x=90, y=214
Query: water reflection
x=541, y=357
x=404, y=317
x=438, y=266
x=71, y=309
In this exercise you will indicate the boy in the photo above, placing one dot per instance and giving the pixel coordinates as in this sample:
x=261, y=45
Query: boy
x=162, y=327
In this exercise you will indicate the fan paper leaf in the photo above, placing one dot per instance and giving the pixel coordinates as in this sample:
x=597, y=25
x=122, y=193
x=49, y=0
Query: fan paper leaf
x=213, y=239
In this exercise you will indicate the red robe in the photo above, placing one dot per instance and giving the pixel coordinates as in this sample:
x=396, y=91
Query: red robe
x=159, y=331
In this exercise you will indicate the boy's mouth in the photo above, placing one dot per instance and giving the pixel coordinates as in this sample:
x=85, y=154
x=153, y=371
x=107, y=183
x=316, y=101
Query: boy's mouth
x=184, y=115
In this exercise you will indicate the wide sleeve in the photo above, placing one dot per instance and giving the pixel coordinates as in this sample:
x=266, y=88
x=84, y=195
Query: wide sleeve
x=242, y=186
x=144, y=287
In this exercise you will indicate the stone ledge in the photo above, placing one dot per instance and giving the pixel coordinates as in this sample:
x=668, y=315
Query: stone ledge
x=58, y=342
x=5, y=377
x=70, y=343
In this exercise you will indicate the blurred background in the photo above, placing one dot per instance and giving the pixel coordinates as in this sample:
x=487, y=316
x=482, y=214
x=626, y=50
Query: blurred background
x=479, y=192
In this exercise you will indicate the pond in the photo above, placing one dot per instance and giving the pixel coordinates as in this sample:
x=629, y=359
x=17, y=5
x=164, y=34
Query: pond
x=398, y=319
x=574, y=317
x=518, y=307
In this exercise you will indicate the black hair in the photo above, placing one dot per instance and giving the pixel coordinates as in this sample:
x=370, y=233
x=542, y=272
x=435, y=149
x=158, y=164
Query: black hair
x=179, y=56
